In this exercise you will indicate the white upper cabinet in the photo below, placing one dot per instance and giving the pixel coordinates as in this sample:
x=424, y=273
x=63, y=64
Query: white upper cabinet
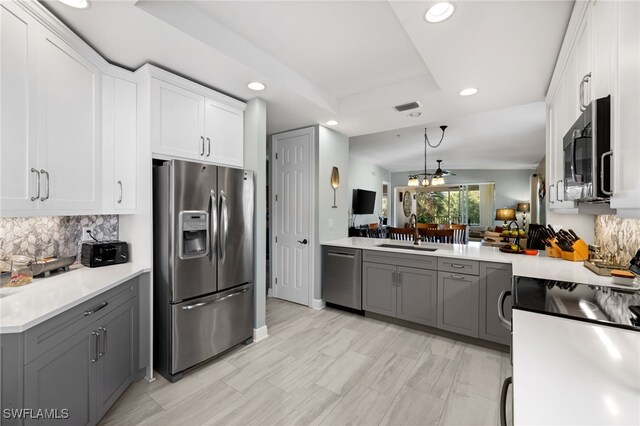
x=224, y=129
x=69, y=144
x=626, y=109
x=178, y=115
x=17, y=90
x=50, y=146
x=195, y=123
x=119, y=132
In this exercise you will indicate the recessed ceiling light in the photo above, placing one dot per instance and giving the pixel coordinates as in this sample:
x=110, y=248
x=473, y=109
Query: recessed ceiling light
x=469, y=91
x=332, y=123
x=256, y=85
x=78, y=4
x=439, y=12
x=414, y=114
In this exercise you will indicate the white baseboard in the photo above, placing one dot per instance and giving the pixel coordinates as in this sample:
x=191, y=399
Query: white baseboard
x=317, y=304
x=260, y=333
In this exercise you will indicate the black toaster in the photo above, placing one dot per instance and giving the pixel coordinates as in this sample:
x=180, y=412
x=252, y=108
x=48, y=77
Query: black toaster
x=103, y=253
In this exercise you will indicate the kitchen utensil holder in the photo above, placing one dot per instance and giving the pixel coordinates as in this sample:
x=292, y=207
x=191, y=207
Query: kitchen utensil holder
x=580, y=252
x=554, y=250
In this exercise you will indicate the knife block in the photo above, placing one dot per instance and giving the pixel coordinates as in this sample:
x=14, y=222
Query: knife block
x=554, y=250
x=580, y=252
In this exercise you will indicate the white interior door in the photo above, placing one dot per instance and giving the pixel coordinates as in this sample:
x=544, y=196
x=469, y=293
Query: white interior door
x=292, y=245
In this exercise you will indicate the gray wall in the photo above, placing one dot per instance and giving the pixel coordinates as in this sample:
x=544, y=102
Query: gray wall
x=511, y=185
x=365, y=175
x=255, y=158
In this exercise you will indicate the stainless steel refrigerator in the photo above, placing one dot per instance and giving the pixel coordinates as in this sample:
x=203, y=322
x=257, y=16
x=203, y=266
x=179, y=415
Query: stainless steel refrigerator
x=203, y=262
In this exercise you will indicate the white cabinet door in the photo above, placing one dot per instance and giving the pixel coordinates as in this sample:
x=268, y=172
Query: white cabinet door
x=626, y=110
x=602, y=28
x=125, y=147
x=583, y=48
x=178, y=121
x=224, y=134
x=17, y=90
x=69, y=148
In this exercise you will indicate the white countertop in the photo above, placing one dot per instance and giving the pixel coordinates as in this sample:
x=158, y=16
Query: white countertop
x=23, y=307
x=539, y=266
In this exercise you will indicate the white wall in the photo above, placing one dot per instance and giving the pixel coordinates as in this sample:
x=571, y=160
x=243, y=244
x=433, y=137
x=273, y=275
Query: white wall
x=333, y=151
x=255, y=158
x=365, y=175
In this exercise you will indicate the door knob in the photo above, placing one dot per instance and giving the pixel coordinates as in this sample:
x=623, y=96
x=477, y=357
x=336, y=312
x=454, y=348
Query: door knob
x=303, y=241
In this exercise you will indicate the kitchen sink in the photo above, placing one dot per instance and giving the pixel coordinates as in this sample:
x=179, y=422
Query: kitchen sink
x=399, y=246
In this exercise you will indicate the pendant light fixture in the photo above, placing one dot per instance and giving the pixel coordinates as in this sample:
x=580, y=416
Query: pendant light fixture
x=415, y=180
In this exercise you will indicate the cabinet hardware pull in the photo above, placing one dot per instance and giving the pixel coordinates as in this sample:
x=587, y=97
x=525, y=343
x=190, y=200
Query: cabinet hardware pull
x=457, y=277
x=95, y=334
x=120, y=198
x=104, y=341
x=550, y=197
x=557, y=189
x=456, y=265
x=46, y=174
x=208, y=147
x=585, y=80
x=602, y=157
x=202, y=152
x=37, y=172
x=503, y=318
x=337, y=254
x=398, y=279
x=213, y=216
x=208, y=302
x=393, y=277
x=95, y=308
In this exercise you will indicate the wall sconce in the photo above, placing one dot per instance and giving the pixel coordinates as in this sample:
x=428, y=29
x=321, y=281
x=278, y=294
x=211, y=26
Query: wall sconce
x=335, y=183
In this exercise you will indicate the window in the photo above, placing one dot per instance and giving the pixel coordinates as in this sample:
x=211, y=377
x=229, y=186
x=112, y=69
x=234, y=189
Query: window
x=454, y=204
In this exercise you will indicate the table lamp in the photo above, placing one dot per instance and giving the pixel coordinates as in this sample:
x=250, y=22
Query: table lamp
x=505, y=215
x=524, y=209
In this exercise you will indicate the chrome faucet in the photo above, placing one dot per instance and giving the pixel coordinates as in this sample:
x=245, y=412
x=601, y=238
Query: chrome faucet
x=413, y=223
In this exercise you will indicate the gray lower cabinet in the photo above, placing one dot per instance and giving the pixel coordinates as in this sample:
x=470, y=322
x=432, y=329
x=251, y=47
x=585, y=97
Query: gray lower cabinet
x=458, y=303
x=63, y=378
x=417, y=295
x=379, y=290
x=400, y=291
x=81, y=360
x=494, y=279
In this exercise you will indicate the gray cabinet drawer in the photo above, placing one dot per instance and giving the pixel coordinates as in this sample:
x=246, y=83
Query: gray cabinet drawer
x=458, y=266
x=49, y=334
x=400, y=259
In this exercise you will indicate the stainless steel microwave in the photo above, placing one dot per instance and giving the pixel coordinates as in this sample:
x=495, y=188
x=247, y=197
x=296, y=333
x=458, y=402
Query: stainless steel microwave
x=587, y=154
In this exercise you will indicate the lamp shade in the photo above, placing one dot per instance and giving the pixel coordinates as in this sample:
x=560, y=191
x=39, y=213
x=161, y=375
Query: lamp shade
x=413, y=181
x=505, y=214
x=335, y=178
x=523, y=207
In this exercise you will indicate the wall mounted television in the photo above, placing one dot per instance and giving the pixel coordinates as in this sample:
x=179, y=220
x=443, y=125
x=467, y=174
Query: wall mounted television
x=363, y=201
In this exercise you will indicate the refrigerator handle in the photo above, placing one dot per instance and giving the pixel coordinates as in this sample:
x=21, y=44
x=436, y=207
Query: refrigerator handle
x=224, y=224
x=213, y=218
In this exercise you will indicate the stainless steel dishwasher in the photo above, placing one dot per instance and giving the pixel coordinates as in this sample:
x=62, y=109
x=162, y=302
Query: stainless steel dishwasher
x=342, y=276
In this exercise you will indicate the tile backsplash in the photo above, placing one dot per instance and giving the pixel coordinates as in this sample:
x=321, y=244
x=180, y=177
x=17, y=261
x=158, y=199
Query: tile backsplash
x=620, y=237
x=38, y=237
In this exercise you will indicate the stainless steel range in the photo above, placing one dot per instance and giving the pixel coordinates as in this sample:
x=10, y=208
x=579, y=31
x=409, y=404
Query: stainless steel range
x=203, y=262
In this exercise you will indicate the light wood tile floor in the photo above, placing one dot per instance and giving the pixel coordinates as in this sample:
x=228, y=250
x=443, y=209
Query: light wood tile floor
x=328, y=367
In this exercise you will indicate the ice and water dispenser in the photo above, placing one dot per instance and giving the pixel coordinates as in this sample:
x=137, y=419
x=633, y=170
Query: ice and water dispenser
x=194, y=234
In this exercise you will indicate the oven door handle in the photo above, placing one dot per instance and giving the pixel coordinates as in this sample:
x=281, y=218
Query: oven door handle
x=602, y=157
x=505, y=322
x=503, y=400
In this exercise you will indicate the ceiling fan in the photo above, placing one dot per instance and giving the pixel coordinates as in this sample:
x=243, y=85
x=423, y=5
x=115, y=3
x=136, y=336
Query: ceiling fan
x=440, y=172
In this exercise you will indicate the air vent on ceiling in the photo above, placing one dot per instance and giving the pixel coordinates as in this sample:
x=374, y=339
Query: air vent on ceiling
x=407, y=107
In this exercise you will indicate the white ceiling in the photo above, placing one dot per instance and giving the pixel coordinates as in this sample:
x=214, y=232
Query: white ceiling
x=351, y=61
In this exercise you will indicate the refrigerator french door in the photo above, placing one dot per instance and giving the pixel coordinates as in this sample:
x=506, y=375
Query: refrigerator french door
x=203, y=262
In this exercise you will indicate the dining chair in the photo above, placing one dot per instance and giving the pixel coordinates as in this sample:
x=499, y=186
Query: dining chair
x=444, y=236
x=405, y=234
x=427, y=226
x=459, y=233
